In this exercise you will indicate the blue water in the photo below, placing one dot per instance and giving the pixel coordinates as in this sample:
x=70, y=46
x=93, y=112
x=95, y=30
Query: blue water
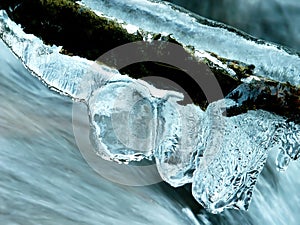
x=45, y=180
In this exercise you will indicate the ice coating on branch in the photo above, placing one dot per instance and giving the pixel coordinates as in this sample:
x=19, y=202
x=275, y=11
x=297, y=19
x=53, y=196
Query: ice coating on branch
x=222, y=156
x=270, y=60
x=60, y=72
x=181, y=134
x=123, y=117
x=230, y=166
x=287, y=142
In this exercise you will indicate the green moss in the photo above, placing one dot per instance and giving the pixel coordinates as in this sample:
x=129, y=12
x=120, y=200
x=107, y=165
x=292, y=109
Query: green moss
x=65, y=23
x=81, y=32
x=241, y=69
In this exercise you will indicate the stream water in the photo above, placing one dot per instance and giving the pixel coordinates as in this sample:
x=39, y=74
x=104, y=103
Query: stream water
x=45, y=180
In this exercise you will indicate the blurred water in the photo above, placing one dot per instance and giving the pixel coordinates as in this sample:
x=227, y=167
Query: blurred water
x=45, y=180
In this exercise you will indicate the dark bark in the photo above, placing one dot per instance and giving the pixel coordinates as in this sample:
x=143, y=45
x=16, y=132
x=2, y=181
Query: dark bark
x=81, y=32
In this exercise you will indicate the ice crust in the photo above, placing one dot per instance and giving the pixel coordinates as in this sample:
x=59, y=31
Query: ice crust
x=131, y=121
x=270, y=60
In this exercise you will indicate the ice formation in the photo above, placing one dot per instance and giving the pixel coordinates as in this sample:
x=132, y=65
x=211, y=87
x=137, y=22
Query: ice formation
x=221, y=156
x=193, y=30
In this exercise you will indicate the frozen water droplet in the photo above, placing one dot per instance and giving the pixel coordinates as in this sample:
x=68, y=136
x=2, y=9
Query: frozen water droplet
x=123, y=118
x=179, y=139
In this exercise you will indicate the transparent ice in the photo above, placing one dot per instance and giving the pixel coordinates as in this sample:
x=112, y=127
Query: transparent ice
x=287, y=142
x=270, y=60
x=123, y=117
x=229, y=168
x=132, y=120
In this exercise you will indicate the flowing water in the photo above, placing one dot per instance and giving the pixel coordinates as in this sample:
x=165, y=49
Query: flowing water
x=45, y=180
